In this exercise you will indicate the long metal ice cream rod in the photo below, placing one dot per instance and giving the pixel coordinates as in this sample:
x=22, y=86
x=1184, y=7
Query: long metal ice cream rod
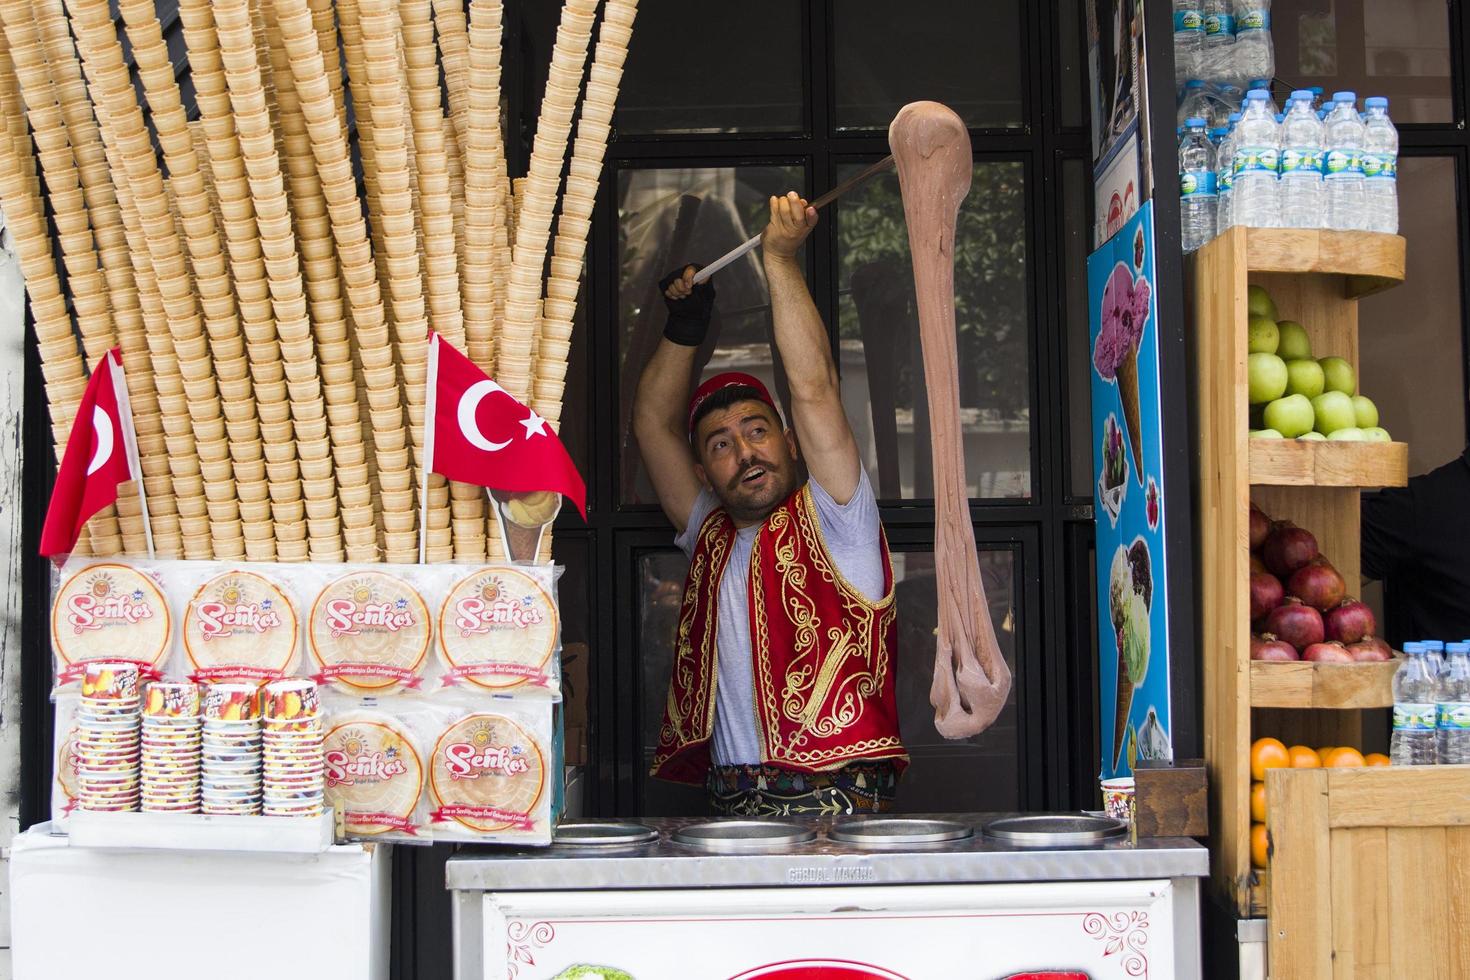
x=884, y=164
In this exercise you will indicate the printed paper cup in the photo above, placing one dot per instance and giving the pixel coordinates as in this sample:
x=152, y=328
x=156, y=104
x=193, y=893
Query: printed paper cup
x=170, y=702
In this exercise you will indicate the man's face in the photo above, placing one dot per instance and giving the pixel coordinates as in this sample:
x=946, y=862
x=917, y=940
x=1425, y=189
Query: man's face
x=745, y=459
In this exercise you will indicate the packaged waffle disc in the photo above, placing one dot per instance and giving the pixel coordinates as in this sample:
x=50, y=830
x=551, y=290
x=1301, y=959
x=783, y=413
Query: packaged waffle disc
x=108, y=611
x=240, y=626
x=66, y=787
x=492, y=771
x=374, y=769
x=499, y=628
x=368, y=633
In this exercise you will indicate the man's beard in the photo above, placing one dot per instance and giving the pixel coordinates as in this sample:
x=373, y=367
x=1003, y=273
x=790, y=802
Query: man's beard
x=753, y=504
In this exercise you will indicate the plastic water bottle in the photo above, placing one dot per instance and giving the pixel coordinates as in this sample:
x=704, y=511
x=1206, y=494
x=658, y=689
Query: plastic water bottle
x=1257, y=148
x=1194, y=103
x=1254, y=55
x=1301, y=164
x=1414, y=701
x=1343, y=167
x=1380, y=168
x=1218, y=58
x=1189, y=39
x=1225, y=177
x=1452, y=712
x=1434, y=650
x=1264, y=84
x=1223, y=100
x=1316, y=91
x=1197, y=194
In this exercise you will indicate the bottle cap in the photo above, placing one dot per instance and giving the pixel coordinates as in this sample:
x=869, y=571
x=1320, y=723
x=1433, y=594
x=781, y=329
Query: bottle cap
x=1234, y=118
x=1260, y=83
x=1315, y=90
x=1195, y=122
x=1413, y=647
x=1194, y=83
x=1302, y=95
x=1349, y=97
x=1376, y=102
x=1455, y=648
x=1257, y=95
x=1436, y=645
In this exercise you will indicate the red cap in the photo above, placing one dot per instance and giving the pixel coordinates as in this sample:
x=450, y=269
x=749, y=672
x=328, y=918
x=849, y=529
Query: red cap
x=729, y=379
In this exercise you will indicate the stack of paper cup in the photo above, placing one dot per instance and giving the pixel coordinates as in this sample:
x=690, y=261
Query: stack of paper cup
x=107, y=740
x=230, y=753
x=292, y=749
x=171, y=743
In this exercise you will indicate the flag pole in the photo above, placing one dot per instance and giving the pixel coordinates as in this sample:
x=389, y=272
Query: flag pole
x=431, y=383
x=130, y=439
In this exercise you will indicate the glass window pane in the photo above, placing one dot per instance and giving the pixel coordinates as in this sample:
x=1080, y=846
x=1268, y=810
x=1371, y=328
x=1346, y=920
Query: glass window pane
x=1072, y=78
x=711, y=66
x=666, y=217
x=882, y=366
x=959, y=52
x=1410, y=347
x=1400, y=50
x=1076, y=224
x=979, y=773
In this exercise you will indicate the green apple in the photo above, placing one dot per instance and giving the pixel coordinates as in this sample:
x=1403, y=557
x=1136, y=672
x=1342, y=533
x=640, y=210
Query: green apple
x=1290, y=416
x=1262, y=335
x=1339, y=374
x=1311, y=437
x=1304, y=377
x=1334, y=411
x=1293, y=343
x=1363, y=410
x=1259, y=302
x=1373, y=433
x=1266, y=434
x=1349, y=434
x=1267, y=376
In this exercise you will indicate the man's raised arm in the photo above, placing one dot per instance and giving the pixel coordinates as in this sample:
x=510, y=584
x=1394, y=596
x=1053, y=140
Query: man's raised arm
x=825, y=438
x=663, y=396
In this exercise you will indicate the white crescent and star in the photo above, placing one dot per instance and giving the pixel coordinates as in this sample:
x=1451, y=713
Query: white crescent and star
x=102, y=431
x=469, y=402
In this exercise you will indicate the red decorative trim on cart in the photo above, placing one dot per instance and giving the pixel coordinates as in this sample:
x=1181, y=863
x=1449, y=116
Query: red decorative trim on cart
x=404, y=675
x=1124, y=933
x=489, y=814
x=521, y=937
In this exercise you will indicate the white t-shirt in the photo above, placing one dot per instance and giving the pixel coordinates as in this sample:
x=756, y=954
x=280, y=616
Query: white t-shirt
x=851, y=532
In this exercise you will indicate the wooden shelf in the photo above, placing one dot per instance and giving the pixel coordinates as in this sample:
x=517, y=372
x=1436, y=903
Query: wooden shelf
x=1302, y=684
x=1290, y=463
x=1370, y=261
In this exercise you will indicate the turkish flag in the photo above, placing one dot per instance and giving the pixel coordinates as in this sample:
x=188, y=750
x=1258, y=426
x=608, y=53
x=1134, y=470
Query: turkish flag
x=482, y=435
x=100, y=454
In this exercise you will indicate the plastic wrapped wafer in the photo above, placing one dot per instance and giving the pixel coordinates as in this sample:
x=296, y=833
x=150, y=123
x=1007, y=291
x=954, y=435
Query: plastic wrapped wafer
x=300, y=382
x=198, y=412
x=256, y=317
x=212, y=279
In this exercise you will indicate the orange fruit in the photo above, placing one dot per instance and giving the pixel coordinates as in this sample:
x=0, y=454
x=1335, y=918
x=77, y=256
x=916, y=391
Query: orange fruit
x=1268, y=753
x=1324, y=752
x=1258, y=802
x=1376, y=759
x=1345, y=758
x=1303, y=757
x=1259, y=845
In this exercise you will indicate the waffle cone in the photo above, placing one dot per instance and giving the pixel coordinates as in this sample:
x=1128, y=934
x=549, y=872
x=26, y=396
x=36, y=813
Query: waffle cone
x=1132, y=413
x=1123, y=705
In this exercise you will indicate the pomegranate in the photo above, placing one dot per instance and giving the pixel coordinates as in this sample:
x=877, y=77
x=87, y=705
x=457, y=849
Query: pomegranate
x=1260, y=527
x=1288, y=548
x=1318, y=584
x=1349, y=622
x=1330, y=652
x=1370, y=649
x=1266, y=647
x=1296, y=623
x=1266, y=594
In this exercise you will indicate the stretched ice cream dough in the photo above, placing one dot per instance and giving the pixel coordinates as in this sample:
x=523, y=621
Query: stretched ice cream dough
x=971, y=680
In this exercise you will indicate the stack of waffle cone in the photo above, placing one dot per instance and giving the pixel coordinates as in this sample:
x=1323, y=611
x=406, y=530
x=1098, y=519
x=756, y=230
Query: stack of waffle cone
x=184, y=376
x=73, y=224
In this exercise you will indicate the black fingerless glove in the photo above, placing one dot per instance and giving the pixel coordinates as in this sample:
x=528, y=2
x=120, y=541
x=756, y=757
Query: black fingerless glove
x=689, y=317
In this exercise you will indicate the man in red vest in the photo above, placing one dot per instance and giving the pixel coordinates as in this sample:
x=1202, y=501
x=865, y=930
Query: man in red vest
x=782, y=697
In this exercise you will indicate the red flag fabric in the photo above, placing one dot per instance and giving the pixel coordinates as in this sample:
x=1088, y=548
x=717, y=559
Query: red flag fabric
x=482, y=435
x=95, y=462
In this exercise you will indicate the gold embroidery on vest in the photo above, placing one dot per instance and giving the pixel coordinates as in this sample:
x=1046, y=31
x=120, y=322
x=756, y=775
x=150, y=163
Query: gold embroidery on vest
x=684, y=725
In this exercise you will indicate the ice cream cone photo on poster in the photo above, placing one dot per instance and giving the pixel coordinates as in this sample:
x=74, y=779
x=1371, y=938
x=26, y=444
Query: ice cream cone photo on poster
x=1125, y=307
x=1130, y=598
x=1112, y=483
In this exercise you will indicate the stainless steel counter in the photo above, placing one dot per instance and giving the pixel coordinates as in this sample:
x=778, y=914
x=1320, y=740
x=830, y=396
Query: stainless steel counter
x=668, y=864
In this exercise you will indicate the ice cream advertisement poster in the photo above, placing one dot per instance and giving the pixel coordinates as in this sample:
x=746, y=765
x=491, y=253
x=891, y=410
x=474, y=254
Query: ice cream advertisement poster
x=1133, y=615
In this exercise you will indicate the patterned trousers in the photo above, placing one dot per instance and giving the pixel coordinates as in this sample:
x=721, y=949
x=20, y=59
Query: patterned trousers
x=771, y=791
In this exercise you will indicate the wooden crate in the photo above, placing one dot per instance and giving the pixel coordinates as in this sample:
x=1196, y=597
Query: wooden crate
x=1315, y=277
x=1370, y=872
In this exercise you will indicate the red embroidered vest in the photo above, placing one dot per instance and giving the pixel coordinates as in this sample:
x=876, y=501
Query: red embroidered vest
x=823, y=654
